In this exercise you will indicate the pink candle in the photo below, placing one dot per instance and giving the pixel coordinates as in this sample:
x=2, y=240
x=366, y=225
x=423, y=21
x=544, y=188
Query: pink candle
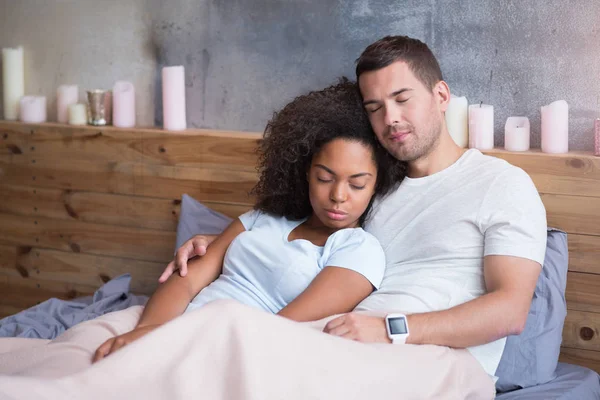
x=597, y=137
x=516, y=134
x=173, y=86
x=481, y=126
x=123, y=105
x=32, y=109
x=65, y=96
x=555, y=127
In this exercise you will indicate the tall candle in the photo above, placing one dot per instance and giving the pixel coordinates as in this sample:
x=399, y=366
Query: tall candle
x=65, y=96
x=173, y=86
x=481, y=126
x=77, y=114
x=13, y=77
x=555, y=127
x=597, y=137
x=517, y=134
x=457, y=120
x=123, y=105
x=32, y=109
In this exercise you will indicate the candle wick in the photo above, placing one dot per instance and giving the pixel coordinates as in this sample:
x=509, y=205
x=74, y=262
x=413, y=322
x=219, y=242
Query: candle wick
x=480, y=104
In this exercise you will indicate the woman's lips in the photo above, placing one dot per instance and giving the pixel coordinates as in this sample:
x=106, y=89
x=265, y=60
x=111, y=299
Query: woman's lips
x=336, y=215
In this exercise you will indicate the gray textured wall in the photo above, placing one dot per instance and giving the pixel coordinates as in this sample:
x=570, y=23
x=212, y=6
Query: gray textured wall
x=246, y=58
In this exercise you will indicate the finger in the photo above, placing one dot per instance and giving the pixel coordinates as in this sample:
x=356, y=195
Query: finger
x=181, y=261
x=340, y=331
x=102, y=350
x=200, y=247
x=334, y=323
x=167, y=272
x=116, y=345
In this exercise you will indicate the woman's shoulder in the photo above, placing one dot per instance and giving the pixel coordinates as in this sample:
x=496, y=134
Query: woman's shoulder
x=353, y=237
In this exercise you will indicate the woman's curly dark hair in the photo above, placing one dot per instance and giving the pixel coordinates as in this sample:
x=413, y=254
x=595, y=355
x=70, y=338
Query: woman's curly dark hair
x=297, y=133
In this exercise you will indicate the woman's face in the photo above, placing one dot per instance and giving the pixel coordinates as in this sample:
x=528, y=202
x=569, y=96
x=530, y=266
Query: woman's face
x=341, y=182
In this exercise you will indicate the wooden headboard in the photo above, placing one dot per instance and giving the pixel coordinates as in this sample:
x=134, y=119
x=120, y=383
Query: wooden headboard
x=81, y=205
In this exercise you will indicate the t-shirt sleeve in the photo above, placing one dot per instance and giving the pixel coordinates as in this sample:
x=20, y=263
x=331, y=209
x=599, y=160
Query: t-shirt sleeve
x=358, y=251
x=249, y=218
x=513, y=218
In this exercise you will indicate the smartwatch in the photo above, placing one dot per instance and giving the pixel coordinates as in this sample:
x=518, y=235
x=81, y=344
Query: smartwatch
x=397, y=328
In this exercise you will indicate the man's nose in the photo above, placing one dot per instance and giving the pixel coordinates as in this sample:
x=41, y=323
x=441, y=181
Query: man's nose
x=392, y=116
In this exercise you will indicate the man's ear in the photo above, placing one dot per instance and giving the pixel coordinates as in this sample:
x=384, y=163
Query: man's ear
x=442, y=93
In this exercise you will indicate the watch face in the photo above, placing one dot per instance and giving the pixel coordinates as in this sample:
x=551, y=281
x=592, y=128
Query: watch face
x=398, y=326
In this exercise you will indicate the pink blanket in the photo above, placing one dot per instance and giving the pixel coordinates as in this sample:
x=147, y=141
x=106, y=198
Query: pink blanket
x=229, y=351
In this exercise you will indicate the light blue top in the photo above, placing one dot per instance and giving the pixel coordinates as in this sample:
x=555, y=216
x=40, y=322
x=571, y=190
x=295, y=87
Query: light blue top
x=263, y=269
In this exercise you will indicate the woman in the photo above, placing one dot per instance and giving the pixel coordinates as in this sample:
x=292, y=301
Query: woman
x=301, y=252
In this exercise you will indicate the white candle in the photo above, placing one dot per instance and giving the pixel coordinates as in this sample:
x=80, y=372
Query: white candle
x=32, y=109
x=13, y=77
x=555, y=127
x=123, y=105
x=173, y=86
x=516, y=134
x=77, y=114
x=481, y=126
x=65, y=96
x=457, y=120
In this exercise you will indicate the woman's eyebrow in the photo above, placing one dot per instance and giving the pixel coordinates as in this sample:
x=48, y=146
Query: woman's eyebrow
x=351, y=176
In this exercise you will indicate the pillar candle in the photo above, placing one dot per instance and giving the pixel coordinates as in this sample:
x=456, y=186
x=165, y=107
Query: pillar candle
x=457, y=120
x=13, y=78
x=555, y=127
x=597, y=137
x=481, y=126
x=77, y=114
x=32, y=109
x=516, y=134
x=65, y=96
x=123, y=105
x=173, y=86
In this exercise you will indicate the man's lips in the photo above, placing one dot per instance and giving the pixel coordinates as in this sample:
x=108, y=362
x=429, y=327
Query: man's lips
x=398, y=136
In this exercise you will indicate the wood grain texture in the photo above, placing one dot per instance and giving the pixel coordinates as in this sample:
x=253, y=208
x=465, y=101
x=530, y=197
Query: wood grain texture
x=586, y=358
x=581, y=330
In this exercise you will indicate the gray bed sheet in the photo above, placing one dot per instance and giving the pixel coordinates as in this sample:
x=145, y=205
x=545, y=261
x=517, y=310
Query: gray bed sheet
x=572, y=382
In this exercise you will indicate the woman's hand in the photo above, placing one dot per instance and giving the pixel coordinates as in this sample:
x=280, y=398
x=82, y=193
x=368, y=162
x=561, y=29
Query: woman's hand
x=196, y=246
x=115, y=343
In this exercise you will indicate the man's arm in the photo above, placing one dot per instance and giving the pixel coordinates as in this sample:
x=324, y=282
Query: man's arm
x=503, y=311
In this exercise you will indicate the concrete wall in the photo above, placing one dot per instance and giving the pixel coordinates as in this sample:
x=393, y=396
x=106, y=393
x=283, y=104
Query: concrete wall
x=246, y=58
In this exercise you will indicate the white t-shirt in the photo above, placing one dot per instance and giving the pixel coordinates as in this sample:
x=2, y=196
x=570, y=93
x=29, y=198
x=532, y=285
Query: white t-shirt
x=436, y=230
x=263, y=269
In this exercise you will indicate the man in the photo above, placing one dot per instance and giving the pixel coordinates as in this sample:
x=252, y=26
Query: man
x=464, y=235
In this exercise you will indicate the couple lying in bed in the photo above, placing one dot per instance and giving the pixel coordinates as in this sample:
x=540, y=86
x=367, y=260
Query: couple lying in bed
x=361, y=188
x=457, y=245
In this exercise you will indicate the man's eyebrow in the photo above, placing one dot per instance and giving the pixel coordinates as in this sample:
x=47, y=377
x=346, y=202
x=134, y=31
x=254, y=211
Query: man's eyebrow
x=351, y=176
x=393, y=94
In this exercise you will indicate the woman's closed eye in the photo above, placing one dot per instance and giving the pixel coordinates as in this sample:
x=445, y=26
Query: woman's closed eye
x=325, y=180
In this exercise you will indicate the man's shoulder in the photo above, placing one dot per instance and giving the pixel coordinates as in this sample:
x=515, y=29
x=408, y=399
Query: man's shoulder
x=495, y=168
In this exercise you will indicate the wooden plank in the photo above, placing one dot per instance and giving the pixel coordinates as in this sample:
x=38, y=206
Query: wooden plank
x=583, y=292
x=112, y=209
x=87, y=238
x=573, y=214
x=6, y=310
x=21, y=293
x=586, y=358
x=584, y=253
x=167, y=182
x=582, y=330
x=33, y=263
x=55, y=142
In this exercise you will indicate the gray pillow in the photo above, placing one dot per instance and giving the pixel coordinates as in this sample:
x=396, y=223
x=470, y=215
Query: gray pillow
x=196, y=218
x=531, y=358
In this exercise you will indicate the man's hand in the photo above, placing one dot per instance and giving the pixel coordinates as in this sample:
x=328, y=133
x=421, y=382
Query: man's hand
x=115, y=343
x=362, y=328
x=196, y=246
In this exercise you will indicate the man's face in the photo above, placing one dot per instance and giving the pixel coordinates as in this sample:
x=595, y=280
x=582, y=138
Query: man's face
x=406, y=116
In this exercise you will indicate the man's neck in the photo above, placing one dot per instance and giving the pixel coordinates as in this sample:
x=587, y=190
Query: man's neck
x=445, y=153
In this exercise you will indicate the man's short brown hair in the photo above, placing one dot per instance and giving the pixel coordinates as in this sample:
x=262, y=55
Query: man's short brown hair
x=391, y=49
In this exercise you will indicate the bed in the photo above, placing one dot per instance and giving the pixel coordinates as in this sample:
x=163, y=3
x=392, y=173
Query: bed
x=82, y=205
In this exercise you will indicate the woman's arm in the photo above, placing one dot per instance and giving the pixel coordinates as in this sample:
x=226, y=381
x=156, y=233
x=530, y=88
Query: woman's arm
x=171, y=298
x=334, y=290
